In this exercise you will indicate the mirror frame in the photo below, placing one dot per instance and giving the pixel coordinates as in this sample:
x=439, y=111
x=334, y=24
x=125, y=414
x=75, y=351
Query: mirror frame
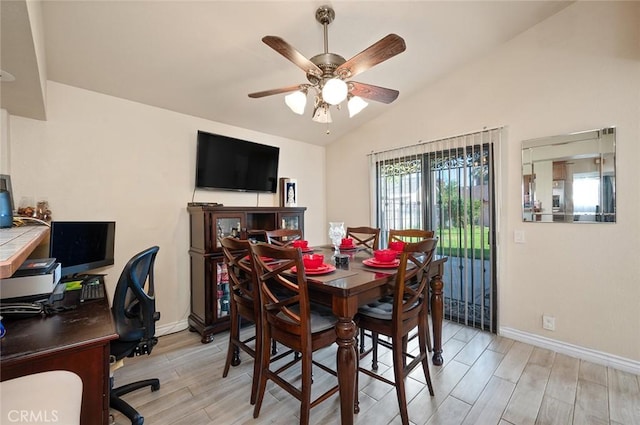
x=552, y=169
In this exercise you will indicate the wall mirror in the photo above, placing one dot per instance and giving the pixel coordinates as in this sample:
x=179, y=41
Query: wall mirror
x=570, y=178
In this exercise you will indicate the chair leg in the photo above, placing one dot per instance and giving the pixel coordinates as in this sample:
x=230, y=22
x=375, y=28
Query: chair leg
x=356, y=398
x=257, y=370
x=116, y=403
x=428, y=334
x=398, y=372
x=234, y=333
x=361, y=341
x=307, y=379
x=405, y=344
x=264, y=367
x=424, y=340
x=123, y=407
x=126, y=389
x=429, y=344
x=374, y=348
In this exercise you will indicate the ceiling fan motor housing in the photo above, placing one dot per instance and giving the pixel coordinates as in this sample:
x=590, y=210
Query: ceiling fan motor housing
x=327, y=62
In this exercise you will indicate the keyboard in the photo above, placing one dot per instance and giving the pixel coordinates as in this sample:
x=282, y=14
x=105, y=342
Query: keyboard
x=92, y=291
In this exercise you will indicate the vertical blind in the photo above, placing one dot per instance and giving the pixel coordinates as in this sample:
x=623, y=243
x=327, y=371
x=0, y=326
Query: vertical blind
x=446, y=185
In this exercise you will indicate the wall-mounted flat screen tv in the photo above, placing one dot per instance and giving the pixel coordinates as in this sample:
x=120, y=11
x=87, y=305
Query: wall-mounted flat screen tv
x=227, y=163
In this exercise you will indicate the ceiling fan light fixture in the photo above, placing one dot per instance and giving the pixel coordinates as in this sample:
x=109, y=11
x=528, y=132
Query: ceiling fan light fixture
x=296, y=101
x=355, y=105
x=321, y=113
x=334, y=91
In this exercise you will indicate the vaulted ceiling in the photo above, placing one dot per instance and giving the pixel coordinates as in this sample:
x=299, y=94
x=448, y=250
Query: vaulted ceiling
x=202, y=58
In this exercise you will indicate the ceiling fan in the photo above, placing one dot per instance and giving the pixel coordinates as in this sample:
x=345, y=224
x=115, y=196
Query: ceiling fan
x=329, y=74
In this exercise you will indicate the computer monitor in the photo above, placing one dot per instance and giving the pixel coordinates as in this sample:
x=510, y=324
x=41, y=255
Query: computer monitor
x=82, y=246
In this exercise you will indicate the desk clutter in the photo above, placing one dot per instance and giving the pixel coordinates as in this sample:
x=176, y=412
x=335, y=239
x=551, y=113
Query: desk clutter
x=28, y=283
x=60, y=300
x=41, y=210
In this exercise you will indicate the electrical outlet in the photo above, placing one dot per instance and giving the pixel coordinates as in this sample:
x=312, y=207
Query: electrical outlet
x=548, y=323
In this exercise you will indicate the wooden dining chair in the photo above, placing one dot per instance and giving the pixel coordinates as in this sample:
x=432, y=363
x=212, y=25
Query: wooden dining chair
x=244, y=304
x=409, y=235
x=396, y=315
x=292, y=320
x=367, y=237
x=404, y=235
x=283, y=237
x=364, y=236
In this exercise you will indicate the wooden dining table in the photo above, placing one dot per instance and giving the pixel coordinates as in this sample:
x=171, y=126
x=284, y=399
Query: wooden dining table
x=351, y=286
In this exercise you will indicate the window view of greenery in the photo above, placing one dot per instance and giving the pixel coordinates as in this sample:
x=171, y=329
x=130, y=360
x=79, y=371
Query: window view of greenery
x=460, y=228
x=450, y=193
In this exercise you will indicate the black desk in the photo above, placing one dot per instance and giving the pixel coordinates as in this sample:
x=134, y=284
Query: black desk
x=76, y=340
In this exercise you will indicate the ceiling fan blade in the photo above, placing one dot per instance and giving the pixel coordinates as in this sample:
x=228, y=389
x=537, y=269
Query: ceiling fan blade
x=286, y=50
x=384, y=49
x=371, y=92
x=278, y=91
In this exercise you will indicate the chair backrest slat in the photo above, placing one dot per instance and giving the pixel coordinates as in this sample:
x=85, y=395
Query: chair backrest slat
x=285, y=300
x=412, y=280
x=409, y=235
x=283, y=237
x=242, y=283
x=364, y=236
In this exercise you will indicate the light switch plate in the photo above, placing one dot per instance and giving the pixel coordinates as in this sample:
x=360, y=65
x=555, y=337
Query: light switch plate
x=518, y=236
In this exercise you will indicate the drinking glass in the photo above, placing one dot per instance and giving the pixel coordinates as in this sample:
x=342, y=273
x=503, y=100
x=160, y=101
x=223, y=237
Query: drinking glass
x=336, y=233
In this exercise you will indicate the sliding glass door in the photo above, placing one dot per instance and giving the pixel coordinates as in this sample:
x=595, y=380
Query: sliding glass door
x=447, y=186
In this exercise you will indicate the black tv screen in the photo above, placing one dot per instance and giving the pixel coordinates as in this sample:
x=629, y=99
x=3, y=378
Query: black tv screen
x=81, y=246
x=232, y=164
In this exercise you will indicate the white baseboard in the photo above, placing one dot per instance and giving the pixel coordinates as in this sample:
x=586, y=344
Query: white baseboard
x=170, y=328
x=598, y=357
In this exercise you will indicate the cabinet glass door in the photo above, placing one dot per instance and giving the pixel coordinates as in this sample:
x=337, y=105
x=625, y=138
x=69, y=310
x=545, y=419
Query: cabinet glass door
x=227, y=226
x=290, y=221
x=222, y=290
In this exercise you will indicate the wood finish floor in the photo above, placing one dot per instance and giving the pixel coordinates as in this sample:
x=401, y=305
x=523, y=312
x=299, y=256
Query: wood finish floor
x=485, y=380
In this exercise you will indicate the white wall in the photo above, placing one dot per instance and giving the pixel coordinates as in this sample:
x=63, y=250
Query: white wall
x=4, y=142
x=102, y=158
x=578, y=70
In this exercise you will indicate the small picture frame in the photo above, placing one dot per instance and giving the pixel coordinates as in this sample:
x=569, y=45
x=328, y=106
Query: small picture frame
x=288, y=192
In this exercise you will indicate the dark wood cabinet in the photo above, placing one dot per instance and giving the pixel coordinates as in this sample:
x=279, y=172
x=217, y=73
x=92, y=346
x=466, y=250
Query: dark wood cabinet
x=209, y=284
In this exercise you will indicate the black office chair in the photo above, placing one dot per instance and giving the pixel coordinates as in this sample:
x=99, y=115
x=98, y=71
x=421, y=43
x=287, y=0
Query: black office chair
x=135, y=316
